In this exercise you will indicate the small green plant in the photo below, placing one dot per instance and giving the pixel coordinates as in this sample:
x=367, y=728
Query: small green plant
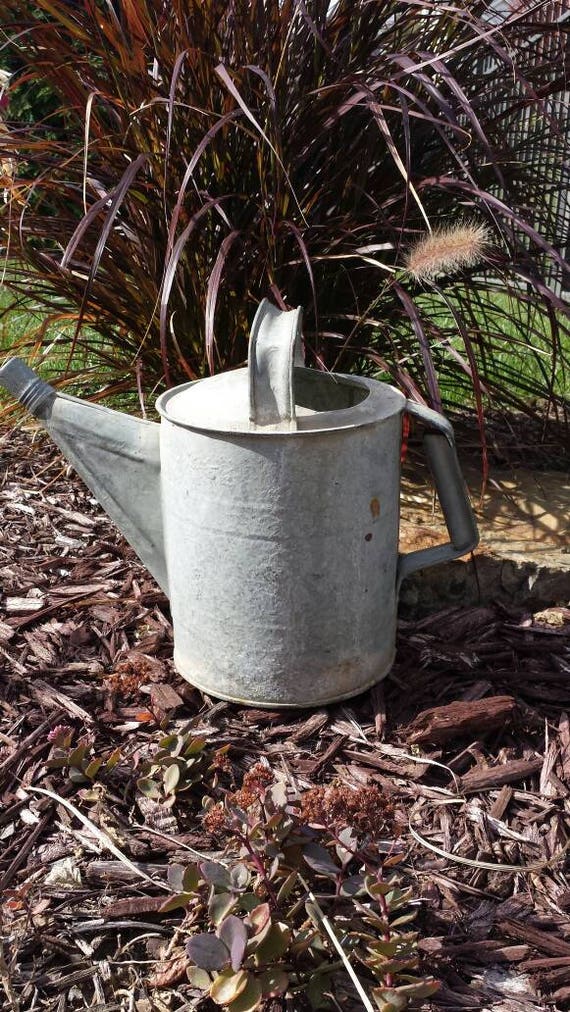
x=309, y=888
x=79, y=761
x=179, y=763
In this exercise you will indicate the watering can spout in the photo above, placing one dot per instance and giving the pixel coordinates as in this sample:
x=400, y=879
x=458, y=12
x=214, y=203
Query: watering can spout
x=116, y=455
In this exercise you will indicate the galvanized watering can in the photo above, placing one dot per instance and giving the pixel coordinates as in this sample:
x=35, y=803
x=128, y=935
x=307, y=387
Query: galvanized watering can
x=266, y=505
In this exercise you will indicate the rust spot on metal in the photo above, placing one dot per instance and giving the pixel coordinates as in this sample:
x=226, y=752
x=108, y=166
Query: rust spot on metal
x=375, y=508
x=368, y=537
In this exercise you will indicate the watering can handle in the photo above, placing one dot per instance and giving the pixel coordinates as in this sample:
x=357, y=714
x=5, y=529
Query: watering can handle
x=274, y=350
x=439, y=445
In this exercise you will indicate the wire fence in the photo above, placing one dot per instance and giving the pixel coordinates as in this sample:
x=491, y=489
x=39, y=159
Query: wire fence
x=536, y=126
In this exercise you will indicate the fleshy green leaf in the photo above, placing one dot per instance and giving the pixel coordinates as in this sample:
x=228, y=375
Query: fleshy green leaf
x=195, y=746
x=303, y=941
x=315, y=991
x=182, y=877
x=220, y=905
x=228, y=985
x=352, y=886
x=78, y=755
x=92, y=768
x=175, y=877
x=387, y=1000
x=404, y=919
x=347, y=845
x=274, y=982
x=148, y=787
x=171, y=778
x=217, y=874
x=277, y=794
x=199, y=978
x=168, y=742
x=320, y=860
x=233, y=933
x=393, y=966
x=421, y=989
x=395, y=859
x=287, y=887
x=397, y=898
x=376, y=888
x=176, y=902
x=57, y=763
x=384, y=948
x=190, y=878
x=208, y=951
x=247, y=902
x=240, y=876
x=114, y=759
x=259, y=917
x=77, y=776
x=250, y=997
x=274, y=945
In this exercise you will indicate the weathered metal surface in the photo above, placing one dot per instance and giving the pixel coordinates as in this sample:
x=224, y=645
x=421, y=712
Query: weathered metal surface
x=116, y=455
x=274, y=349
x=282, y=555
x=270, y=511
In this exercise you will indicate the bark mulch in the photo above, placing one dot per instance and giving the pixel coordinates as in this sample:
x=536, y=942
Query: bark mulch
x=469, y=735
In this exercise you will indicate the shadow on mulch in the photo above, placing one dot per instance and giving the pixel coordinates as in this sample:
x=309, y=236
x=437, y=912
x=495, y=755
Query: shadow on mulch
x=518, y=440
x=469, y=735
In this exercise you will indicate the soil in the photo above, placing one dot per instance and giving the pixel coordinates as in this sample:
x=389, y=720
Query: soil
x=469, y=735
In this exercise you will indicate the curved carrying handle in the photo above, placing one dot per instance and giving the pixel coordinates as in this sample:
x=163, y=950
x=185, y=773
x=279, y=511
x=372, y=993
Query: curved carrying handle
x=274, y=349
x=439, y=445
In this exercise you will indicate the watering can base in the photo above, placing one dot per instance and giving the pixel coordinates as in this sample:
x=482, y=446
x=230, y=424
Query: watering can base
x=207, y=684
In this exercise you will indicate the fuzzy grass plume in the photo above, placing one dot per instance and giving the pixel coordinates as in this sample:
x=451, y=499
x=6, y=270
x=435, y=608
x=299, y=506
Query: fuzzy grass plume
x=448, y=250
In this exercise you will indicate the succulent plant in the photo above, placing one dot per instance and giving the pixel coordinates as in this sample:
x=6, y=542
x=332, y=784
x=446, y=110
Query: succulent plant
x=179, y=763
x=263, y=921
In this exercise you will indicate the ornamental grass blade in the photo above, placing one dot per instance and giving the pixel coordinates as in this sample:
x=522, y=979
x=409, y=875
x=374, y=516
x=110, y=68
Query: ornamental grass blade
x=114, y=206
x=212, y=294
x=169, y=275
x=222, y=73
x=431, y=376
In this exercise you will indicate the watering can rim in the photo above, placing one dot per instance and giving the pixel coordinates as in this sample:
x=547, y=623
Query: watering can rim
x=382, y=401
x=276, y=394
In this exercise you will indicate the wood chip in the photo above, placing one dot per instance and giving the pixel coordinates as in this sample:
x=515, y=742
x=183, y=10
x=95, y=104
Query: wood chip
x=501, y=802
x=164, y=700
x=135, y=905
x=506, y=773
x=486, y=692
x=461, y=719
x=23, y=605
x=542, y=940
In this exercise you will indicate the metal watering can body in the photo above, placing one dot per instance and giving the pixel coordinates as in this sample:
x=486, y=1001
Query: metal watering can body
x=266, y=505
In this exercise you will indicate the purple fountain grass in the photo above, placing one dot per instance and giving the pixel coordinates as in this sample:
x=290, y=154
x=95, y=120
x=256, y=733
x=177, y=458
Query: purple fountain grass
x=195, y=157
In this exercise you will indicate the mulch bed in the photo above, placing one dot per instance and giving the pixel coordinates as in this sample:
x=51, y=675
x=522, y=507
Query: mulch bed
x=469, y=735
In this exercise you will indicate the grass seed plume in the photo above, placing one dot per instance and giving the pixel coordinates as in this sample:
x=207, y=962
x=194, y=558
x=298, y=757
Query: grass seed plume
x=448, y=250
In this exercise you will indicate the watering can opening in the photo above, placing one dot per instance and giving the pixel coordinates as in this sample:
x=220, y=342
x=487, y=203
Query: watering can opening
x=323, y=391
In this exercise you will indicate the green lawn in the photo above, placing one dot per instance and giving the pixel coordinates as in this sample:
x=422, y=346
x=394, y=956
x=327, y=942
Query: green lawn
x=46, y=349
x=14, y=326
x=517, y=350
